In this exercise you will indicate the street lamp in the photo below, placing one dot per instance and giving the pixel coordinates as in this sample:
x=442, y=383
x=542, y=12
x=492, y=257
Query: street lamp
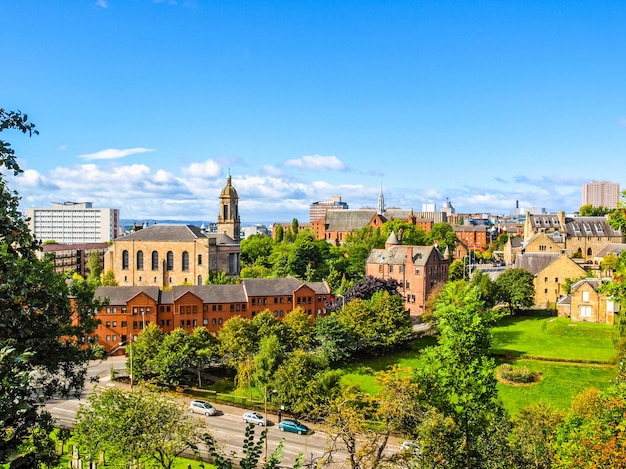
x=265, y=404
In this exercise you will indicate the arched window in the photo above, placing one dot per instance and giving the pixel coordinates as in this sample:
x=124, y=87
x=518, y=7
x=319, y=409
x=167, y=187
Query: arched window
x=589, y=251
x=170, y=260
x=199, y=279
x=139, y=260
x=185, y=260
x=125, y=259
x=155, y=260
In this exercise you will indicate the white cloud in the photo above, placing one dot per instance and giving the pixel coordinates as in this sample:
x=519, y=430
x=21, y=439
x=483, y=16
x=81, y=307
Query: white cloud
x=271, y=170
x=102, y=3
x=317, y=162
x=114, y=153
x=204, y=169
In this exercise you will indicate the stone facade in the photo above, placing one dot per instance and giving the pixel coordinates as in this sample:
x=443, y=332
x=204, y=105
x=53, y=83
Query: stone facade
x=167, y=255
x=418, y=270
x=586, y=304
x=551, y=271
x=130, y=309
x=580, y=237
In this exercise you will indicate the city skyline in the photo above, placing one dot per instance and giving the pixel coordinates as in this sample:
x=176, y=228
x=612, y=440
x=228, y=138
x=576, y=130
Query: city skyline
x=147, y=106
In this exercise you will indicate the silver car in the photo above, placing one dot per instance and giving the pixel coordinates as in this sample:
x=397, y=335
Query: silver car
x=254, y=417
x=202, y=407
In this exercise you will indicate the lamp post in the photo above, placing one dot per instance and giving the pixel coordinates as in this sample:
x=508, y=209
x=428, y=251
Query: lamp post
x=265, y=404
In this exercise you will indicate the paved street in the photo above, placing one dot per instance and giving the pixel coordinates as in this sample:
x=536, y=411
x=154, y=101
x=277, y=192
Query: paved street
x=228, y=428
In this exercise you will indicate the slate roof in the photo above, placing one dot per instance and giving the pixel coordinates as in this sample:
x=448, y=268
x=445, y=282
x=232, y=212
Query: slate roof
x=575, y=226
x=594, y=282
x=163, y=232
x=611, y=248
x=399, y=254
x=237, y=293
x=270, y=286
x=213, y=293
x=516, y=241
x=535, y=262
x=348, y=220
x=122, y=295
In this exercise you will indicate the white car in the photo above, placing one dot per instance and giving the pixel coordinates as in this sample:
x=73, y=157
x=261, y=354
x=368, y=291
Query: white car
x=254, y=417
x=202, y=407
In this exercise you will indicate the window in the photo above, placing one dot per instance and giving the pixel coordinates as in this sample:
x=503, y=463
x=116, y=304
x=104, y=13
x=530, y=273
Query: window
x=155, y=260
x=408, y=284
x=114, y=323
x=585, y=311
x=205, y=322
x=124, y=324
x=381, y=268
x=125, y=259
x=219, y=321
x=139, y=260
x=185, y=260
x=214, y=307
x=108, y=324
x=585, y=296
x=232, y=308
x=199, y=259
x=253, y=301
x=182, y=323
x=108, y=338
x=275, y=300
x=199, y=282
x=390, y=269
x=170, y=260
x=195, y=323
x=545, y=279
x=213, y=321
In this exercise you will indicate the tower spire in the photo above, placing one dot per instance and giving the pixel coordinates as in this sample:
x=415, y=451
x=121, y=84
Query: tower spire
x=381, y=201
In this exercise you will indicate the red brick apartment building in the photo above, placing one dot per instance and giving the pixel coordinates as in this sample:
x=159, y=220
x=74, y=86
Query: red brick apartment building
x=130, y=309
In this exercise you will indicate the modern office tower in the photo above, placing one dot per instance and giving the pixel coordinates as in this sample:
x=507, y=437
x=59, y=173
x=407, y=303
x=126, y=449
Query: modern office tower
x=318, y=210
x=73, y=223
x=601, y=194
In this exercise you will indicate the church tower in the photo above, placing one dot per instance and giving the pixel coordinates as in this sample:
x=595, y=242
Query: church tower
x=381, y=202
x=228, y=218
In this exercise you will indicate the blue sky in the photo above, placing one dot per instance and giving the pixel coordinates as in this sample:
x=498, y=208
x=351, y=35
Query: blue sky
x=146, y=105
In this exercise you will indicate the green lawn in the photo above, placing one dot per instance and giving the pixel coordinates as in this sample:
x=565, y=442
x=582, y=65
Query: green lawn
x=559, y=383
x=553, y=339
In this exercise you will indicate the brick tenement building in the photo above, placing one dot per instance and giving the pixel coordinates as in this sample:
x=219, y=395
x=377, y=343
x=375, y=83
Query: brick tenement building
x=418, y=270
x=210, y=306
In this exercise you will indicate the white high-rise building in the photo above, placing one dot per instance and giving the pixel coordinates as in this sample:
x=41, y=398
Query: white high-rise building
x=601, y=194
x=73, y=223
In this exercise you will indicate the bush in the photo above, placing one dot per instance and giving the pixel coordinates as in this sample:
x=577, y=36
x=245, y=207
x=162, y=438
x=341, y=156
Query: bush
x=518, y=375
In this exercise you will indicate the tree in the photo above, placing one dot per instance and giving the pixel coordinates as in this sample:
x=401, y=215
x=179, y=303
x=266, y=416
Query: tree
x=279, y=233
x=108, y=279
x=366, y=288
x=459, y=376
x=252, y=452
x=174, y=357
x=589, y=210
x=515, y=287
x=237, y=340
x=443, y=234
x=40, y=329
x=94, y=266
x=267, y=360
x=134, y=428
x=144, y=350
x=335, y=341
x=204, y=347
x=534, y=434
x=298, y=330
x=305, y=254
x=456, y=271
x=256, y=249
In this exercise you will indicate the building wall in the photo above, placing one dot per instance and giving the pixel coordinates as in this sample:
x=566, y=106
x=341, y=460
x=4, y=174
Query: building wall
x=601, y=194
x=73, y=223
x=549, y=282
x=587, y=305
x=124, y=322
x=204, y=256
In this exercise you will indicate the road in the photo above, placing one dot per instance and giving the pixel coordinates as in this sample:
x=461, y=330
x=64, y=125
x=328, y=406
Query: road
x=228, y=428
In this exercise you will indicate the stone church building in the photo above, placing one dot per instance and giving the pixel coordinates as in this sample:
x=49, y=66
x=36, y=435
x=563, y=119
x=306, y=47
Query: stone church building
x=168, y=255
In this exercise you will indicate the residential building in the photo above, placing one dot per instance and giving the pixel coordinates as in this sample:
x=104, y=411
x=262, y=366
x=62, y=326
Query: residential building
x=601, y=194
x=73, y=223
x=579, y=237
x=586, y=303
x=131, y=308
x=551, y=271
x=73, y=257
x=164, y=255
x=418, y=269
x=318, y=210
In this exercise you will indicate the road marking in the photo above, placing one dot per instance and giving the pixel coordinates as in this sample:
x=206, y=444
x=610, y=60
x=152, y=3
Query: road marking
x=64, y=410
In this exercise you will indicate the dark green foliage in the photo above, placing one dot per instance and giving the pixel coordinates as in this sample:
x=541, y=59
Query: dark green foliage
x=515, y=287
x=39, y=328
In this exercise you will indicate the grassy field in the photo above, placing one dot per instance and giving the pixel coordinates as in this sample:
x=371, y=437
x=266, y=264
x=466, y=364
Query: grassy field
x=553, y=339
x=577, y=356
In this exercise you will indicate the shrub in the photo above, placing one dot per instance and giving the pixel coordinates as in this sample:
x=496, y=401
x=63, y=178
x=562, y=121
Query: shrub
x=518, y=375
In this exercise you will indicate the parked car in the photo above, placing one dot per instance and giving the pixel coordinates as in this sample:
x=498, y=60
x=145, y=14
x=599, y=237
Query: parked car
x=409, y=445
x=202, y=407
x=254, y=417
x=293, y=426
